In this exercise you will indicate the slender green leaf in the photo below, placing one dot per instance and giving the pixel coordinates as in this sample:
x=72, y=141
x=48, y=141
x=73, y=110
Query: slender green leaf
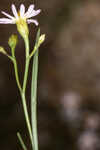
x=21, y=141
x=34, y=95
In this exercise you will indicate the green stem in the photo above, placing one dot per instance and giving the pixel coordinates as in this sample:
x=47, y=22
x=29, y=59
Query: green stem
x=34, y=50
x=26, y=40
x=15, y=69
x=16, y=74
x=26, y=115
x=23, y=99
x=21, y=141
x=26, y=64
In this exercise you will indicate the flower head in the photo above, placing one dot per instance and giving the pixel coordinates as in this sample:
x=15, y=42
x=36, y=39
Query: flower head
x=20, y=15
x=21, y=19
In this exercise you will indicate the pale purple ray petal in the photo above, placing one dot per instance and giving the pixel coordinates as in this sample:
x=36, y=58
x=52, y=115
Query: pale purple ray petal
x=30, y=9
x=34, y=13
x=6, y=14
x=6, y=21
x=14, y=11
x=32, y=21
x=22, y=10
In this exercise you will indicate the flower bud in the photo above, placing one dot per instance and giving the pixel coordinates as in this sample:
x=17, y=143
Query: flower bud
x=2, y=50
x=41, y=39
x=13, y=41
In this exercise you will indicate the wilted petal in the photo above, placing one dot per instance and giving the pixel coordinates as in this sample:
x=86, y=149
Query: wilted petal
x=32, y=21
x=6, y=21
x=14, y=11
x=6, y=14
x=22, y=10
x=34, y=13
x=30, y=9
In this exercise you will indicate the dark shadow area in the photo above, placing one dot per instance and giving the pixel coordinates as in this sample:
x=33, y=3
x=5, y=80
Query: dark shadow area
x=69, y=77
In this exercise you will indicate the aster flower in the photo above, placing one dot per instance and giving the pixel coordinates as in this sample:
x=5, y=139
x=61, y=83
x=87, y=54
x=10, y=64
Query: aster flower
x=20, y=15
x=21, y=18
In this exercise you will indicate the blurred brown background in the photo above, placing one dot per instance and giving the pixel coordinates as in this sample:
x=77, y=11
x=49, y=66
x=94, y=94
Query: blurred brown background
x=69, y=77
